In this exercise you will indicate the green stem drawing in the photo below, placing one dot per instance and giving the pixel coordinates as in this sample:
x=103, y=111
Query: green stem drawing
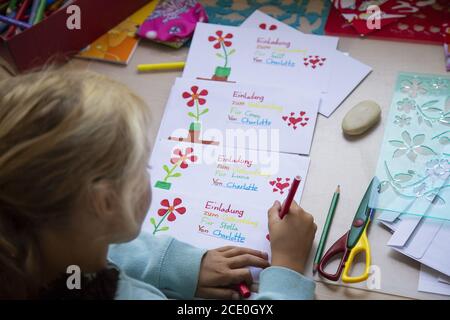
x=225, y=55
x=169, y=172
x=156, y=229
x=198, y=111
x=198, y=114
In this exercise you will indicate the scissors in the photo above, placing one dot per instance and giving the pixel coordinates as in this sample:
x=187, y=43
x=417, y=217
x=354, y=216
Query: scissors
x=352, y=243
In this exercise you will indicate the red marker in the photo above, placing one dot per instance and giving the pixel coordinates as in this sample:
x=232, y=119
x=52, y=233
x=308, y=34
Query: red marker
x=290, y=196
x=243, y=289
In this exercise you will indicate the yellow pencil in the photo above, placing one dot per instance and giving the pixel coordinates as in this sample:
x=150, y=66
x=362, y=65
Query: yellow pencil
x=160, y=66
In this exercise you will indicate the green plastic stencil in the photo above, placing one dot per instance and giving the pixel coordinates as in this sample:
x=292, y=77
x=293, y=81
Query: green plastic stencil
x=414, y=163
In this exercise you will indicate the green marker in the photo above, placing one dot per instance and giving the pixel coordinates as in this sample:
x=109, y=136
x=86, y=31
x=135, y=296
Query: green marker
x=326, y=229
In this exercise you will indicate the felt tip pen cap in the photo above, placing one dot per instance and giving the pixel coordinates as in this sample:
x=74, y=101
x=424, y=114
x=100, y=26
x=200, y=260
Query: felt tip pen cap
x=244, y=291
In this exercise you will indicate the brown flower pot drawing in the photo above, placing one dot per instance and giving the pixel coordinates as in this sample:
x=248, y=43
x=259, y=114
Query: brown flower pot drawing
x=194, y=136
x=221, y=74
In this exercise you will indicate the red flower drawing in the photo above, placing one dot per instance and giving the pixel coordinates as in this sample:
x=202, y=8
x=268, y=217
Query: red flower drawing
x=168, y=209
x=195, y=96
x=180, y=157
x=221, y=39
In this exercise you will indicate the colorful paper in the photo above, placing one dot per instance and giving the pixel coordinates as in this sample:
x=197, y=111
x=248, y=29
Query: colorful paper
x=243, y=55
x=364, y=19
x=299, y=13
x=173, y=22
x=414, y=163
x=424, y=26
x=119, y=44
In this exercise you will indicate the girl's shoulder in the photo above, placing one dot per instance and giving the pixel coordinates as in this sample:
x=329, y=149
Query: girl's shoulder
x=133, y=289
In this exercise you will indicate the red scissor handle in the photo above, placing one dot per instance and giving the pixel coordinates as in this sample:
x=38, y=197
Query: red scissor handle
x=337, y=248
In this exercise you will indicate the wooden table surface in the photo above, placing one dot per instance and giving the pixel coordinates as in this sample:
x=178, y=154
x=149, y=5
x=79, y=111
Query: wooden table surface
x=335, y=159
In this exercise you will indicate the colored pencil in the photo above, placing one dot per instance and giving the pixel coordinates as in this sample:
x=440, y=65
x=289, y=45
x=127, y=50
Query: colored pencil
x=20, y=13
x=40, y=11
x=326, y=229
x=34, y=8
x=160, y=66
x=14, y=22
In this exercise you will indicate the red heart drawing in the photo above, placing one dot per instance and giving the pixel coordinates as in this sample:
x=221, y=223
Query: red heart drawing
x=268, y=237
x=279, y=184
x=293, y=121
x=263, y=26
x=314, y=61
x=282, y=186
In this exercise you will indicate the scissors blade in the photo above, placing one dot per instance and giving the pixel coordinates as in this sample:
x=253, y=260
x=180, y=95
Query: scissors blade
x=362, y=216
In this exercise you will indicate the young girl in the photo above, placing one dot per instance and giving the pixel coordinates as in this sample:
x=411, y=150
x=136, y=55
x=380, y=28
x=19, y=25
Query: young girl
x=74, y=181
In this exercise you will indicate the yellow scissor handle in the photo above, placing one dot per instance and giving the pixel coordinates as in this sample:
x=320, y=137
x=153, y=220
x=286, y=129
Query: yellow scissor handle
x=361, y=246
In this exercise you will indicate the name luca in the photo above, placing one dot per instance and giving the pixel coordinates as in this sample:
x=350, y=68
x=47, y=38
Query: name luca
x=226, y=310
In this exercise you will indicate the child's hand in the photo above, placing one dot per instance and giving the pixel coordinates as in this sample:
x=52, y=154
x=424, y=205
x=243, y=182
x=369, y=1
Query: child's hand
x=291, y=238
x=223, y=268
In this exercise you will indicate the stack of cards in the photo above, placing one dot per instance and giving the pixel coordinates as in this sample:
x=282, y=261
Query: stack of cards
x=238, y=127
x=266, y=51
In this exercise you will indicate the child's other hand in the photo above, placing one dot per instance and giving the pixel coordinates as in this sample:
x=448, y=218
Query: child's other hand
x=223, y=268
x=291, y=238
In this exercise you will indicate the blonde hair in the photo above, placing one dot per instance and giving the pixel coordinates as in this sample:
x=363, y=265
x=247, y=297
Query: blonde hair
x=60, y=133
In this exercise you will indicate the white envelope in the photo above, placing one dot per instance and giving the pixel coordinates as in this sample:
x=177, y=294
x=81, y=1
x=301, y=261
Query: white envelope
x=427, y=243
x=430, y=281
x=346, y=72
